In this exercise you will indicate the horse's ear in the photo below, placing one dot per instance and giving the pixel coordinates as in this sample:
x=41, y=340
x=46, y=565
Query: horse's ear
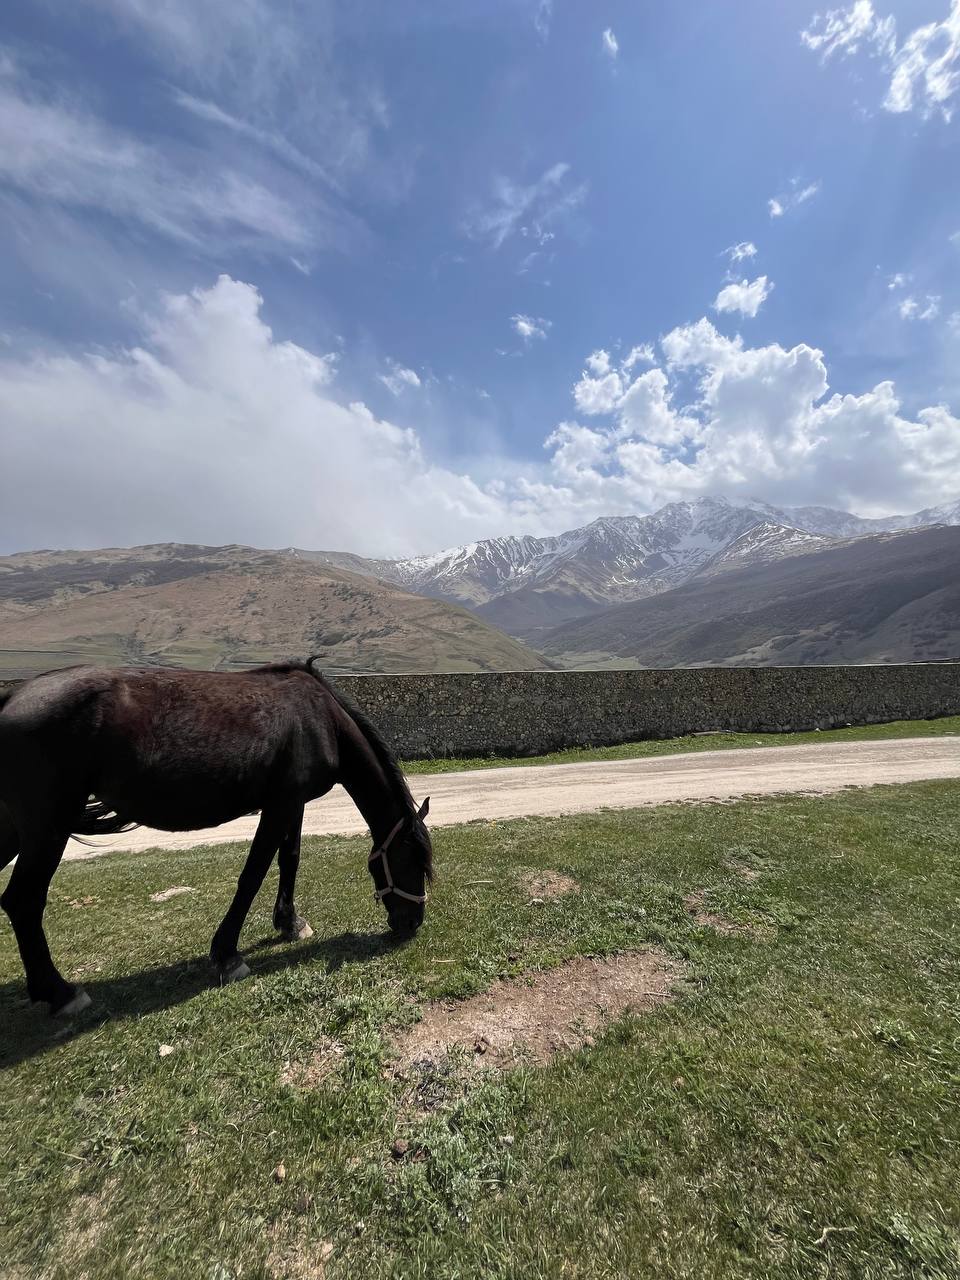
x=424, y=809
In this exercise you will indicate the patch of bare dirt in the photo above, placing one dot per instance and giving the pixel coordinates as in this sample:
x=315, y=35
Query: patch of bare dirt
x=532, y=1020
x=543, y=886
x=746, y=873
x=322, y=1064
x=298, y=1259
x=166, y=894
x=694, y=903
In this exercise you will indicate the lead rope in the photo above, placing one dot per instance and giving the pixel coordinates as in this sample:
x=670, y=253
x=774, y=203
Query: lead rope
x=390, y=887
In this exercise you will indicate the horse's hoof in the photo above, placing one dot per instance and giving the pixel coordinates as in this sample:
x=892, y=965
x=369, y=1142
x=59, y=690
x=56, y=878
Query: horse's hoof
x=299, y=932
x=77, y=1005
x=239, y=971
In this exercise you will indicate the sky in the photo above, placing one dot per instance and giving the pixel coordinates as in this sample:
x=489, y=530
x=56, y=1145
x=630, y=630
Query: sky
x=389, y=278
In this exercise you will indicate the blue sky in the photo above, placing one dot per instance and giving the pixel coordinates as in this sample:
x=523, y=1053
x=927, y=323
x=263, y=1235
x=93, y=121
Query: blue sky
x=370, y=276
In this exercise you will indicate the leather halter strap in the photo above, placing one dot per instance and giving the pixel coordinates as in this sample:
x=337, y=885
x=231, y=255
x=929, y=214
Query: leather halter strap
x=390, y=887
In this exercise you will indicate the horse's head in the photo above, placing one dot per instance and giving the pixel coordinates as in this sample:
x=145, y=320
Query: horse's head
x=401, y=868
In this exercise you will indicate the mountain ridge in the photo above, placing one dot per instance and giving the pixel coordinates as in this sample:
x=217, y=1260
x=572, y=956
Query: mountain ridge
x=524, y=585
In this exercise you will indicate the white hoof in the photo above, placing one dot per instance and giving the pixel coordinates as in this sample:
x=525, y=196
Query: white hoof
x=77, y=1005
x=303, y=932
x=237, y=973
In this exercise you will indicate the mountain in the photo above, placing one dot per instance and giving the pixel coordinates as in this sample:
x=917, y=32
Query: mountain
x=889, y=597
x=227, y=606
x=526, y=585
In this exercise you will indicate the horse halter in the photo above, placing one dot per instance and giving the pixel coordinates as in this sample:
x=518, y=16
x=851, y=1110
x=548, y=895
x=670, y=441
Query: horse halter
x=390, y=887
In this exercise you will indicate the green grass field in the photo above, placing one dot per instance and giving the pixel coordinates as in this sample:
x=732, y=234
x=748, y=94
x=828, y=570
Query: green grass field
x=942, y=727
x=795, y=1112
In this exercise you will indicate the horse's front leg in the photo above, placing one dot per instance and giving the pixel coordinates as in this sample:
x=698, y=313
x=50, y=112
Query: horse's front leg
x=223, y=949
x=285, y=918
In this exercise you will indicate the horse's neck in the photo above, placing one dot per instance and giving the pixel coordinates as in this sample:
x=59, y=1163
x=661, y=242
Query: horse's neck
x=363, y=778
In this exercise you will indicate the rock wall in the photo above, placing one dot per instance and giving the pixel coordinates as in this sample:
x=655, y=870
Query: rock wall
x=529, y=712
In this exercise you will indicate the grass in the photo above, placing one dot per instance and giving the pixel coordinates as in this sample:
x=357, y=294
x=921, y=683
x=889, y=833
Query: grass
x=944, y=726
x=795, y=1113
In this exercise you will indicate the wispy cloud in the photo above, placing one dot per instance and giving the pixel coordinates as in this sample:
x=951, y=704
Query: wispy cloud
x=527, y=210
x=924, y=68
x=745, y=296
x=267, y=138
x=58, y=152
x=610, y=46
x=399, y=379
x=911, y=309
x=542, y=18
x=792, y=198
x=530, y=327
x=739, y=252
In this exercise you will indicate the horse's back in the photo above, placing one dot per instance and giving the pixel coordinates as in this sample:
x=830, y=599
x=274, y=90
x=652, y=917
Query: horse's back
x=167, y=748
x=48, y=698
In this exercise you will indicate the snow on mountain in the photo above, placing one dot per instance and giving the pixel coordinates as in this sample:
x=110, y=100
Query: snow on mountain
x=521, y=583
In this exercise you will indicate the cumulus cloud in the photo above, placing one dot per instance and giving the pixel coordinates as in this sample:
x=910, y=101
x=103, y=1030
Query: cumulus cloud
x=399, y=378
x=530, y=327
x=792, y=198
x=744, y=296
x=180, y=437
x=923, y=68
x=763, y=423
x=610, y=46
x=643, y=354
x=527, y=210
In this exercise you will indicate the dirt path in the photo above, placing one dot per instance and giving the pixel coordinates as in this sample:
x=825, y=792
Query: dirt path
x=619, y=784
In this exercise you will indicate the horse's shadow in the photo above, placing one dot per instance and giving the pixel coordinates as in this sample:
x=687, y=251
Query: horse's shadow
x=27, y=1031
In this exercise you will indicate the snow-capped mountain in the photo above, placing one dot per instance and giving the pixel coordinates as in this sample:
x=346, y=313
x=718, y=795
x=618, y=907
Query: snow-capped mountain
x=523, y=584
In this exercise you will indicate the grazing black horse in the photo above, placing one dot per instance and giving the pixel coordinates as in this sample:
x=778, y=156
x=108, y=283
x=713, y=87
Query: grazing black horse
x=88, y=751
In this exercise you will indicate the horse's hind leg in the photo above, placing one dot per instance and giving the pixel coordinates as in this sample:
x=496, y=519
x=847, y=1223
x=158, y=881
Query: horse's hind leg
x=24, y=900
x=223, y=949
x=285, y=918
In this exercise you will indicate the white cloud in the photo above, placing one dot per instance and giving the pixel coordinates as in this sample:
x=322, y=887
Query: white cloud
x=844, y=31
x=598, y=394
x=898, y=280
x=745, y=296
x=923, y=68
x=794, y=196
x=56, y=152
x=399, y=378
x=610, y=46
x=599, y=362
x=739, y=252
x=530, y=327
x=911, y=309
x=527, y=210
x=182, y=440
x=644, y=354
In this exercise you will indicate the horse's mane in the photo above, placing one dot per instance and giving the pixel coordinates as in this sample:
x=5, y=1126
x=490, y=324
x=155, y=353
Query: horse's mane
x=377, y=743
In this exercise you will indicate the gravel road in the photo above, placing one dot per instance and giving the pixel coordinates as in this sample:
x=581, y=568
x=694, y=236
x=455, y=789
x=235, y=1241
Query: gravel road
x=621, y=784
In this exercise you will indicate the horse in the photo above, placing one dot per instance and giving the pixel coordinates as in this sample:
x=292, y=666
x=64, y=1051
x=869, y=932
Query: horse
x=89, y=751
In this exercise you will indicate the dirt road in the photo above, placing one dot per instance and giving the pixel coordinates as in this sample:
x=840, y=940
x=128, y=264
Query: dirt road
x=621, y=784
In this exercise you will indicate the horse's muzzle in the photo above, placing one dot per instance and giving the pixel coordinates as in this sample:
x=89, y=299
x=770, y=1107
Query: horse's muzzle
x=405, y=921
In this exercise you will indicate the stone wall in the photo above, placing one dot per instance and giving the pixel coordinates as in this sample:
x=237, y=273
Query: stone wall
x=528, y=712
